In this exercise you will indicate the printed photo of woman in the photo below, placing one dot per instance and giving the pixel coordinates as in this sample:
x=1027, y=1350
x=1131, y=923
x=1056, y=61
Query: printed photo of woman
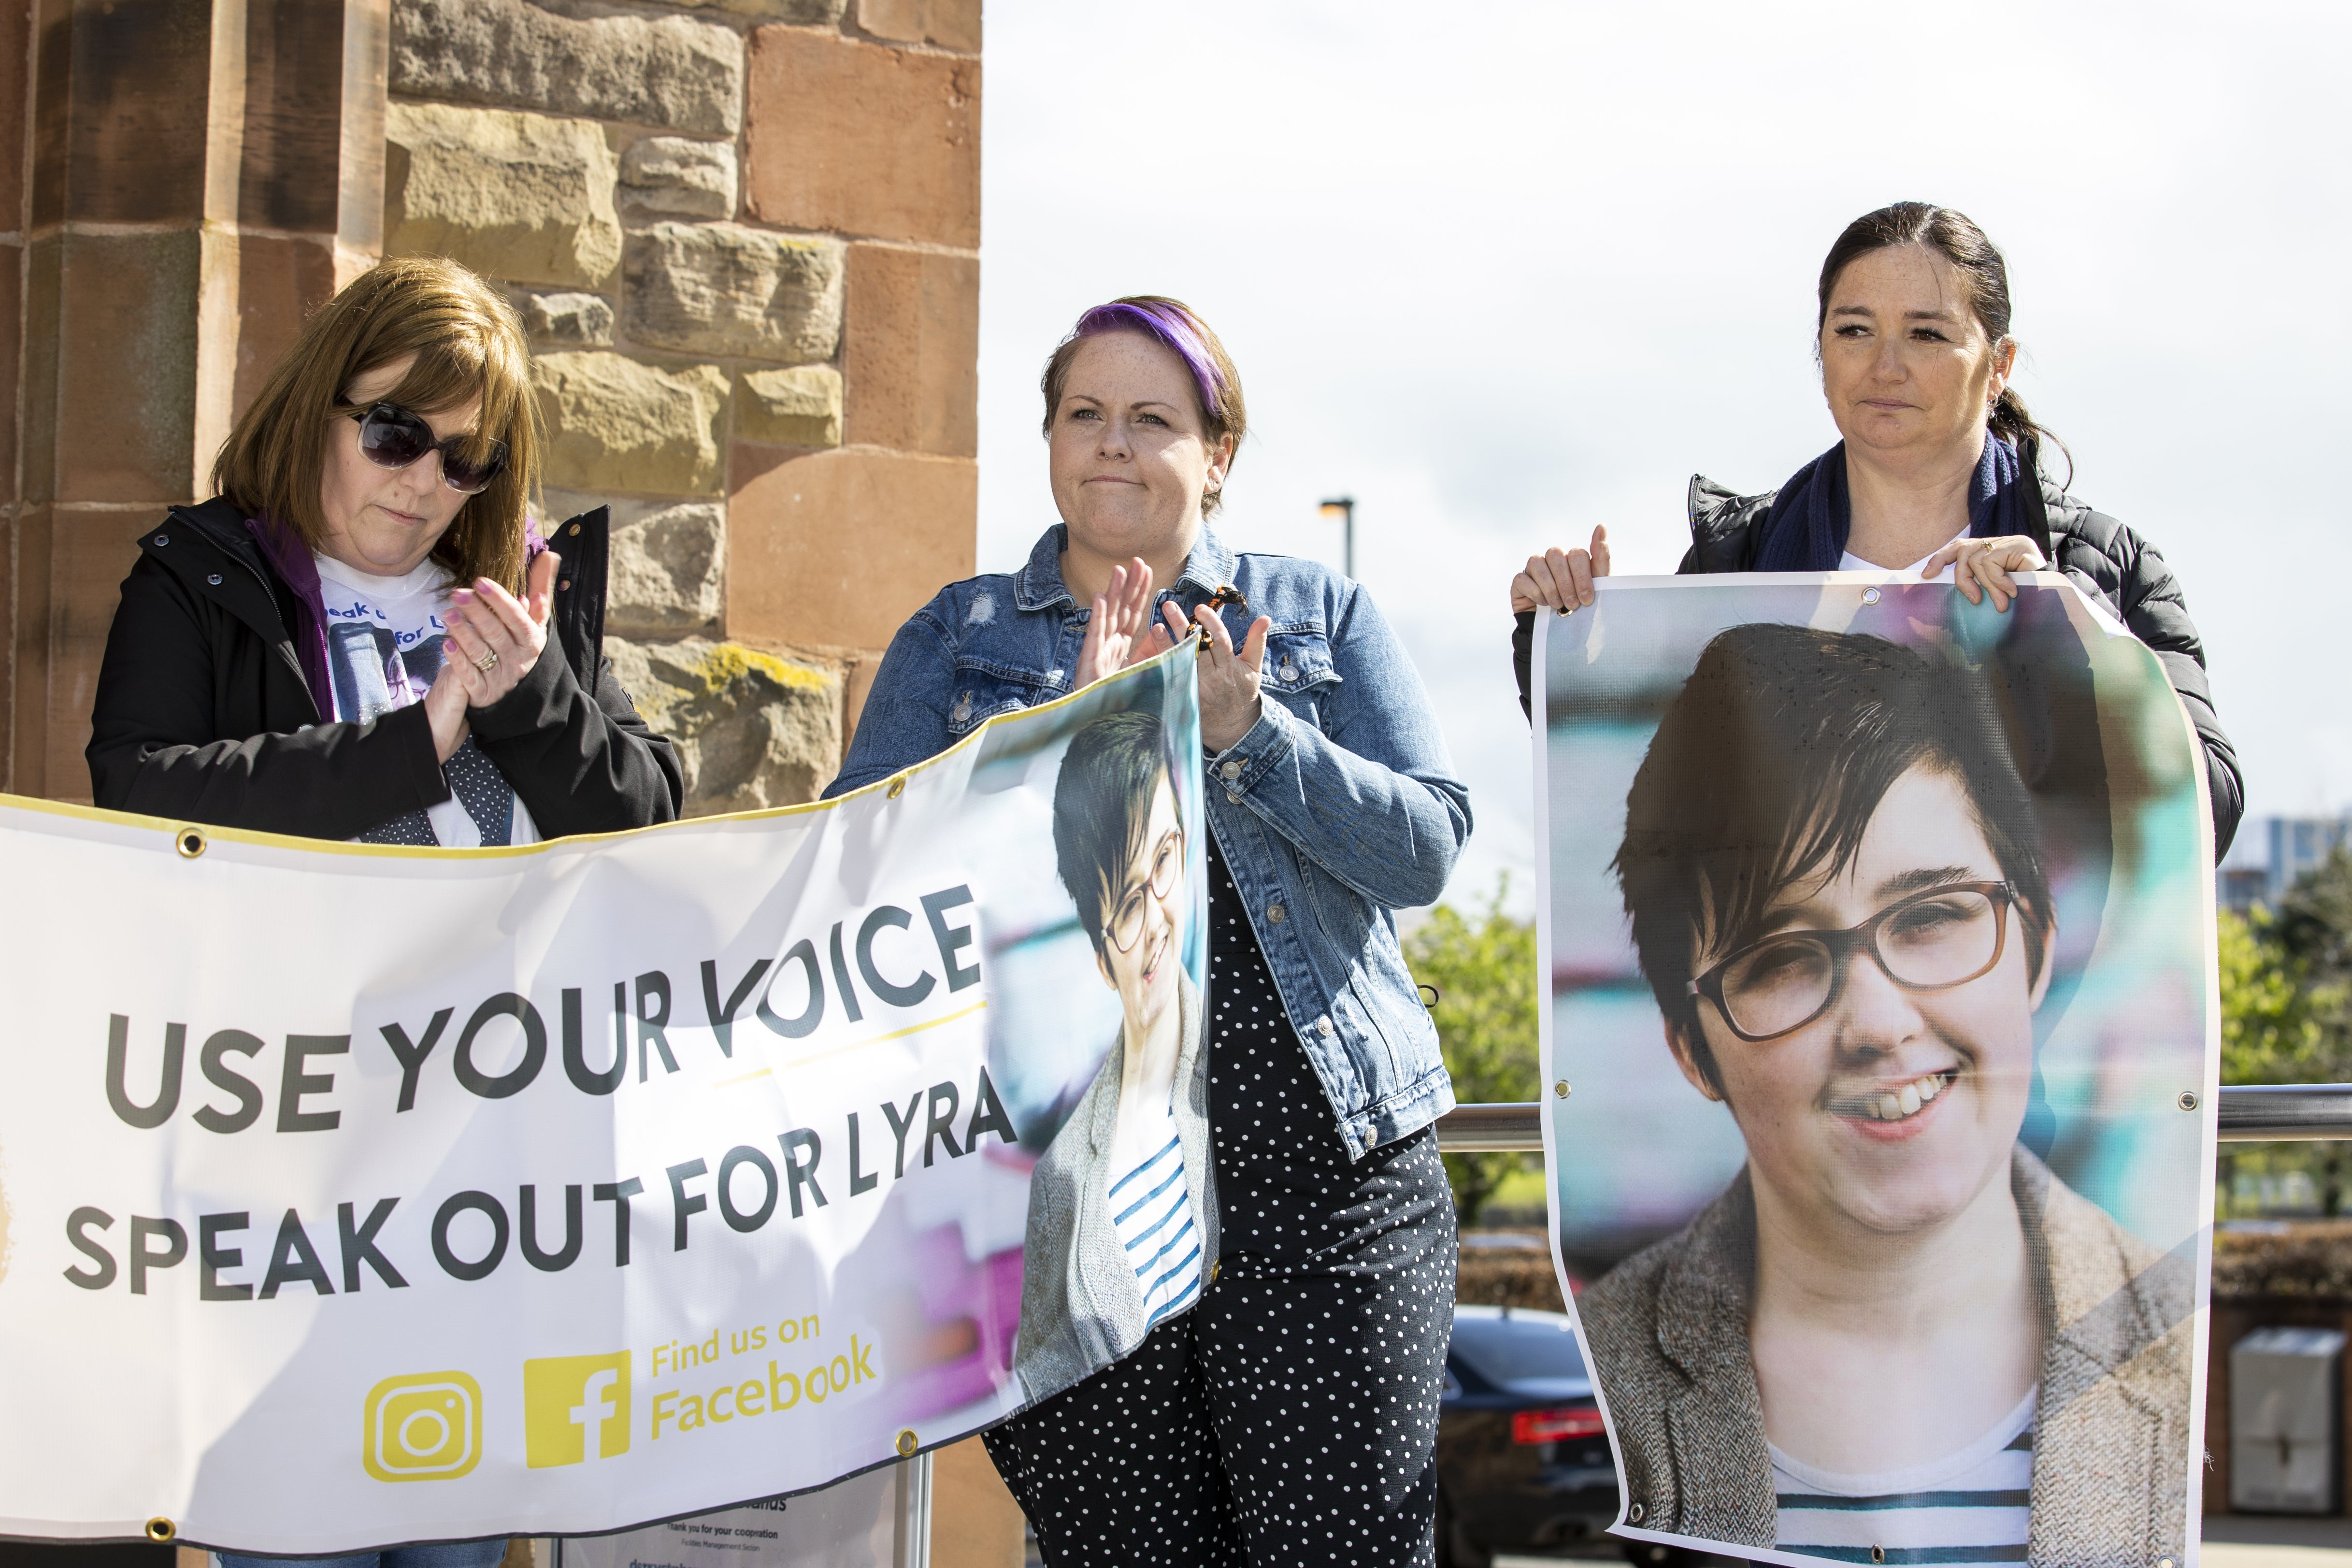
x=1122, y=1207
x=1896, y=1337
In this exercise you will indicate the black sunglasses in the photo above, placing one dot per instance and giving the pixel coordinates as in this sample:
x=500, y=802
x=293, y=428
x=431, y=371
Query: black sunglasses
x=392, y=436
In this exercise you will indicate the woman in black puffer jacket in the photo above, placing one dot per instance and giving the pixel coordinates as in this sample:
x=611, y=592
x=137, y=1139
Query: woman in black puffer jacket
x=362, y=637
x=1937, y=472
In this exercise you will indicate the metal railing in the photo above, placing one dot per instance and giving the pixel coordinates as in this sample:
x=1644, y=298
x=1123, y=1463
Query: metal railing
x=2251, y=1113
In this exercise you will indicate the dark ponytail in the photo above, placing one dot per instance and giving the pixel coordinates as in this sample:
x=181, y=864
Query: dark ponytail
x=1954, y=237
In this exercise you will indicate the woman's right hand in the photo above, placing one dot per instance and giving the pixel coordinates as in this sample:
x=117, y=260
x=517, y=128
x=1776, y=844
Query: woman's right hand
x=1120, y=629
x=1561, y=580
x=457, y=685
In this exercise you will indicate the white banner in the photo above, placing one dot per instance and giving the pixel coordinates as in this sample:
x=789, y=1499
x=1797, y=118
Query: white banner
x=353, y=1196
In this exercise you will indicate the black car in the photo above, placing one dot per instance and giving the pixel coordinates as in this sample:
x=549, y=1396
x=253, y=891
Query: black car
x=1523, y=1460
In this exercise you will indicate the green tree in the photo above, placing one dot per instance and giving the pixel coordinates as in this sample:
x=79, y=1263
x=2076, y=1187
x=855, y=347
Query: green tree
x=2285, y=1015
x=2273, y=1017
x=1483, y=967
x=2314, y=925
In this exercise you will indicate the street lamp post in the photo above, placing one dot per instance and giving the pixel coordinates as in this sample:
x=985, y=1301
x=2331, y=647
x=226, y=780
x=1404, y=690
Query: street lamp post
x=1344, y=509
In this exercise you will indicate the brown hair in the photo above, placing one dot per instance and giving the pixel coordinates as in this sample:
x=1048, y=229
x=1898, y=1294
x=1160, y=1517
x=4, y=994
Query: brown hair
x=1173, y=324
x=468, y=343
x=1956, y=237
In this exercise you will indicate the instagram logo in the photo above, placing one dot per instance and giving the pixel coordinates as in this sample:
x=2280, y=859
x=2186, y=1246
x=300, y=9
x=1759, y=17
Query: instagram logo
x=426, y=1426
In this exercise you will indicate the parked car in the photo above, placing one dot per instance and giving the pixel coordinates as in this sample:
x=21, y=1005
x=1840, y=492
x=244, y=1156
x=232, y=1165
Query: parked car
x=1523, y=1461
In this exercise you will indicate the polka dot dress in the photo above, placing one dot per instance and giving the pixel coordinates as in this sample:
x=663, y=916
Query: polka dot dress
x=1291, y=1417
x=479, y=786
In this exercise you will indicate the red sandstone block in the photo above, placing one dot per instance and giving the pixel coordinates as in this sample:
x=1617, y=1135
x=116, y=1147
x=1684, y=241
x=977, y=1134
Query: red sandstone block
x=91, y=551
x=12, y=294
x=123, y=337
x=910, y=352
x=279, y=282
x=16, y=54
x=837, y=549
x=28, y=705
x=118, y=126
x=863, y=140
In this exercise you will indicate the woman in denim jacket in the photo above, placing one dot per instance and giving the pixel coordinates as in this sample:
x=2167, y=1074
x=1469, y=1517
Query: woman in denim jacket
x=1331, y=803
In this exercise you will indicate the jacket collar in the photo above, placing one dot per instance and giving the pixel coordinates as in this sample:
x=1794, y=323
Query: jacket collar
x=1039, y=587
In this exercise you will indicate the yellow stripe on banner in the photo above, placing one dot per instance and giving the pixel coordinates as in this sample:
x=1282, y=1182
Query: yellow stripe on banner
x=858, y=1045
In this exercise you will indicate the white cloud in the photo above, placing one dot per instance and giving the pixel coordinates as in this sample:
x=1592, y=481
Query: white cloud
x=1506, y=272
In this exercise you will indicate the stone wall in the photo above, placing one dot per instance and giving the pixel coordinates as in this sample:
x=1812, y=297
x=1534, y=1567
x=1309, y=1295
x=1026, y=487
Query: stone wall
x=742, y=234
x=744, y=238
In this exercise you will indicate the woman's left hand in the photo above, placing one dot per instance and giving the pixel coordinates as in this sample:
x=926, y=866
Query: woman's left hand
x=501, y=637
x=1230, y=704
x=1978, y=564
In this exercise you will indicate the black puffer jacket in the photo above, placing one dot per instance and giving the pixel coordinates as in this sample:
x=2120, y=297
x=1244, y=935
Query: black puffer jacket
x=203, y=714
x=2106, y=560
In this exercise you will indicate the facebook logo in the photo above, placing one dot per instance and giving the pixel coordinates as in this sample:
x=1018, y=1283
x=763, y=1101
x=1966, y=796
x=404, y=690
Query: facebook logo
x=576, y=1408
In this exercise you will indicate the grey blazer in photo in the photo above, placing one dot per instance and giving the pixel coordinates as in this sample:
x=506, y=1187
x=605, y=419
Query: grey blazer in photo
x=1080, y=1307
x=1668, y=1331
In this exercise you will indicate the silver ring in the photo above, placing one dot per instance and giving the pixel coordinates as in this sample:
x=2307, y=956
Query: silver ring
x=487, y=662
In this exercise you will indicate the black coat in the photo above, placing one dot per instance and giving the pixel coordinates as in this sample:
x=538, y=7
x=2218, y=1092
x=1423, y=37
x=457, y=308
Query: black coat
x=2109, y=562
x=203, y=714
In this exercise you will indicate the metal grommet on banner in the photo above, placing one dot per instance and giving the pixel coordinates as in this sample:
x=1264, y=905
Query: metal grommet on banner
x=1560, y=1088
x=1635, y=1513
x=1878, y=1554
x=190, y=843
x=898, y=787
x=1870, y=596
x=1568, y=609
x=906, y=1443
x=162, y=1530
x=2187, y=1101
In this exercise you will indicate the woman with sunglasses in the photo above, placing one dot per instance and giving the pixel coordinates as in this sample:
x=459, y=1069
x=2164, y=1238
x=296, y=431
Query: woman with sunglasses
x=1896, y=1337
x=1936, y=472
x=361, y=636
x=1328, y=1243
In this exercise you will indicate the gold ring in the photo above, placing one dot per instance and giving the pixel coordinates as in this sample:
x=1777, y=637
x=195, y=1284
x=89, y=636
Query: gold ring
x=487, y=662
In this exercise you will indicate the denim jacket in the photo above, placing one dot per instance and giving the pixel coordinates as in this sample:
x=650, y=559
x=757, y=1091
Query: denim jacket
x=1339, y=806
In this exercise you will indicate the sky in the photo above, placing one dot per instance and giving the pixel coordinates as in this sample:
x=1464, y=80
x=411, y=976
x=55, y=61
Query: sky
x=1504, y=272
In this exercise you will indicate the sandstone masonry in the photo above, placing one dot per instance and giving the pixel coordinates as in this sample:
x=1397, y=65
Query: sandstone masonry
x=741, y=235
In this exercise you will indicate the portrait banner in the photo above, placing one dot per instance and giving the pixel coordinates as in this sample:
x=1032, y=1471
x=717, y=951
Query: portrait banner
x=1882, y=1034
x=354, y=1196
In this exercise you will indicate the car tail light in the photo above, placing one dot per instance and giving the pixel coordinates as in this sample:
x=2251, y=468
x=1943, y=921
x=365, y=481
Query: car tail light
x=1556, y=1426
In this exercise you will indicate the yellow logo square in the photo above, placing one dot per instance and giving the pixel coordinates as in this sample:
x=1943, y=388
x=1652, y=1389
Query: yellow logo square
x=425, y=1427
x=566, y=1398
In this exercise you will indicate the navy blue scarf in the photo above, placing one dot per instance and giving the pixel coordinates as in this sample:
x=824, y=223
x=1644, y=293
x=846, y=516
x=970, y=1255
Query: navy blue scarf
x=1806, y=529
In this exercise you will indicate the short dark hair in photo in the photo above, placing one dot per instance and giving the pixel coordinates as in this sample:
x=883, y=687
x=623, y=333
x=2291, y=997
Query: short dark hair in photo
x=1102, y=805
x=1766, y=770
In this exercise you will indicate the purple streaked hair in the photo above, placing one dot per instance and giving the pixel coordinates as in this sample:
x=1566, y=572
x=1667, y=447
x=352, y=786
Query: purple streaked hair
x=1175, y=328
x=1172, y=325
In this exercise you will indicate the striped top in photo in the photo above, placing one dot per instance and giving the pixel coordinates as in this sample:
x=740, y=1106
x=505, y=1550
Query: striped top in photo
x=1152, y=1208
x=1970, y=1506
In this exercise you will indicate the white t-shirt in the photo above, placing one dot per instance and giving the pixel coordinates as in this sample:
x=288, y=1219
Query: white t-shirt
x=1973, y=1505
x=1152, y=1208
x=1849, y=561
x=384, y=637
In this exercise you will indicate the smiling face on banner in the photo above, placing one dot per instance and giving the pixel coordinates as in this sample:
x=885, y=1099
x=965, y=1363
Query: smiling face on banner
x=1145, y=925
x=1900, y=1233
x=1893, y=1100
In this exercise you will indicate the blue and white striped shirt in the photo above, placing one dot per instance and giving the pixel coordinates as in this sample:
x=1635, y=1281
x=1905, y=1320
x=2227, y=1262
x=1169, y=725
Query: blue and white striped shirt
x=1970, y=1507
x=1151, y=1206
